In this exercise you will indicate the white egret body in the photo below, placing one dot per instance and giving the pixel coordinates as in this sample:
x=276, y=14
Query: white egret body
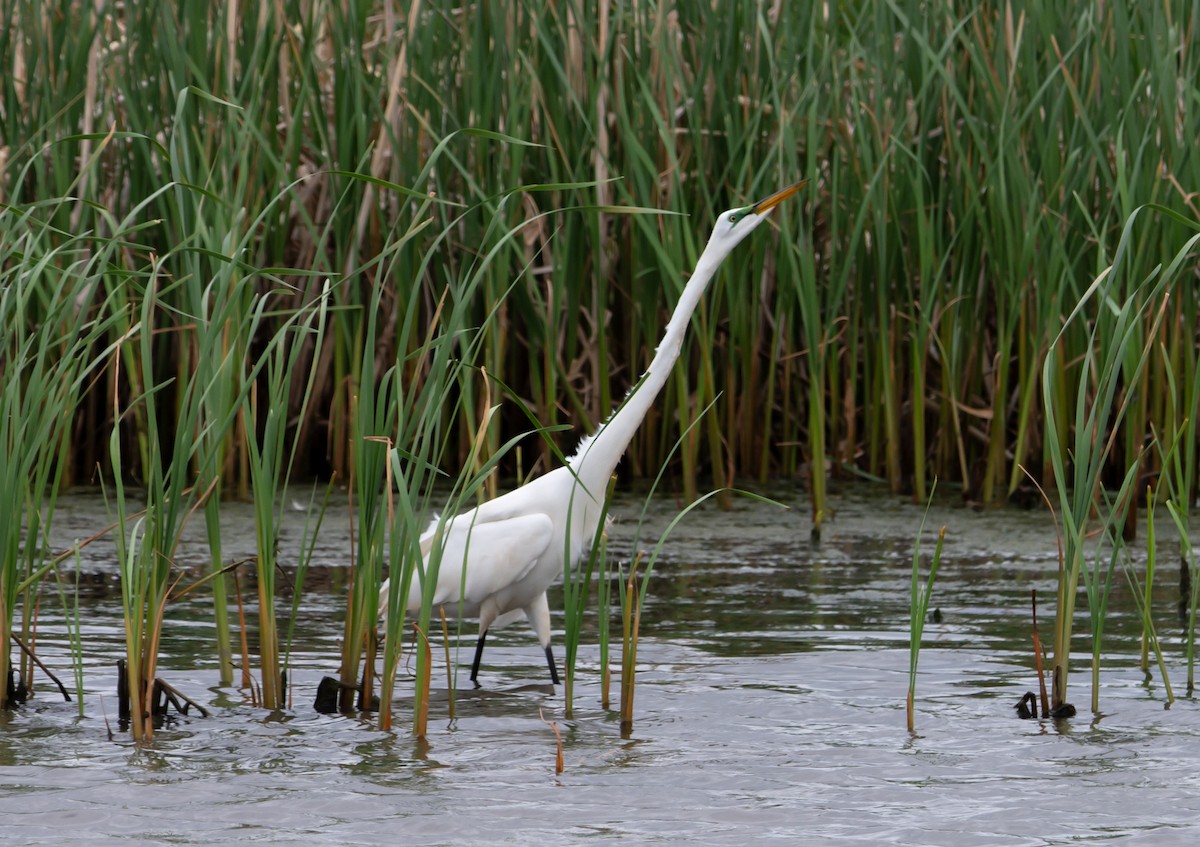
x=513, y=547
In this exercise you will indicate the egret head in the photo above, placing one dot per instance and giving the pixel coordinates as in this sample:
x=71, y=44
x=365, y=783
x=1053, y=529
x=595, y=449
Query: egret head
x=735, y=224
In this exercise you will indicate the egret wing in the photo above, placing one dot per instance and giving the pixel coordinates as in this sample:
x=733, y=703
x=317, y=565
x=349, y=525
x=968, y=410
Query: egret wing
x=481, y=559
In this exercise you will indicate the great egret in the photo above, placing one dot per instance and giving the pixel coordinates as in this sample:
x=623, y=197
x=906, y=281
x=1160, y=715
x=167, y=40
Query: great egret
x=513, y=547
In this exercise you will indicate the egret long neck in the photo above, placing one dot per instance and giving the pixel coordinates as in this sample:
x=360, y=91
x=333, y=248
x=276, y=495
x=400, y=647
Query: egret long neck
x=597, y=457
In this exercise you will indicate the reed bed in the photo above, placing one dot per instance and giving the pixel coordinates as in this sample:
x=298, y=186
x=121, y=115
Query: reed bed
x=972, y=167
x=467, y=188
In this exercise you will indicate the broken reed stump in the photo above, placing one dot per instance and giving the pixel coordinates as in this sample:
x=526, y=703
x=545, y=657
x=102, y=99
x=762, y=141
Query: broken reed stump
x=18, y=692
x=329, y=692
x=163, y=695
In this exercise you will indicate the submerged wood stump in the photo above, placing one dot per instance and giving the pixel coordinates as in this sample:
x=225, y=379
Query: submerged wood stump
x=161, y=696
x=18, y=691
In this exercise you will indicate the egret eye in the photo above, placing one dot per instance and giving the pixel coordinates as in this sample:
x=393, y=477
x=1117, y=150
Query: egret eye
x=733, y=219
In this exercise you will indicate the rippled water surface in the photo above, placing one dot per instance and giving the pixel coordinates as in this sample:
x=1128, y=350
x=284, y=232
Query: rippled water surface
x=770, y=706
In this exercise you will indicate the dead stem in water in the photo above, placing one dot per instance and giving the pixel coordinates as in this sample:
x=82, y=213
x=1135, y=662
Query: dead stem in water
x=1037, y=654
x=631, y=619
x=558, y=760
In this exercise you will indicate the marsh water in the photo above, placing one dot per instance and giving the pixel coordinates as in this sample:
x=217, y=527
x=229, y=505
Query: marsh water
x=772, y=672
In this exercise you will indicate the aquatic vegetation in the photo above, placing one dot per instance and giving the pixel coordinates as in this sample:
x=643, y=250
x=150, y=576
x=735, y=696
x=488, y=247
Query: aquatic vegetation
x=966, y=168
x=266, y=406
x=1191, y=597
x=576, y=589
x=1143, y=597
x=1119, y=346
x=505, y=200
x=45, y=368
x=146, y=539
x=439, y=380
x=918, y=608
x=1177, y=449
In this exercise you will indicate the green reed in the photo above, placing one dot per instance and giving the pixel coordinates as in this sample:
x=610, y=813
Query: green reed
x=377, y=407
x=74, y=626
x=146, y=542
x=46, y=366
x=372, y=408
x=604, y=589
x=1129, y=311
x=1192, y=599
x=576, y=589
x=268, y=407
x=434, y=380
x=967, y=162
x=216, y=295
x=1098, y=577
x=1143, y=600
x=1178, y=463
x=1145, y=595
x=918, y=608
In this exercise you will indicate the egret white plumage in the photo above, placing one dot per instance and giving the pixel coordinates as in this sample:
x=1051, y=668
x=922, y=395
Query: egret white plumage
x=513, y=547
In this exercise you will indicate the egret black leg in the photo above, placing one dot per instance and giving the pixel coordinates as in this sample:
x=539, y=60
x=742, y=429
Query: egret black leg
x=478, y=656
x=550, y=662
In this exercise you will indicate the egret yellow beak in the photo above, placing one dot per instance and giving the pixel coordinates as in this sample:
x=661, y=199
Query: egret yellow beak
x=778, y=197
